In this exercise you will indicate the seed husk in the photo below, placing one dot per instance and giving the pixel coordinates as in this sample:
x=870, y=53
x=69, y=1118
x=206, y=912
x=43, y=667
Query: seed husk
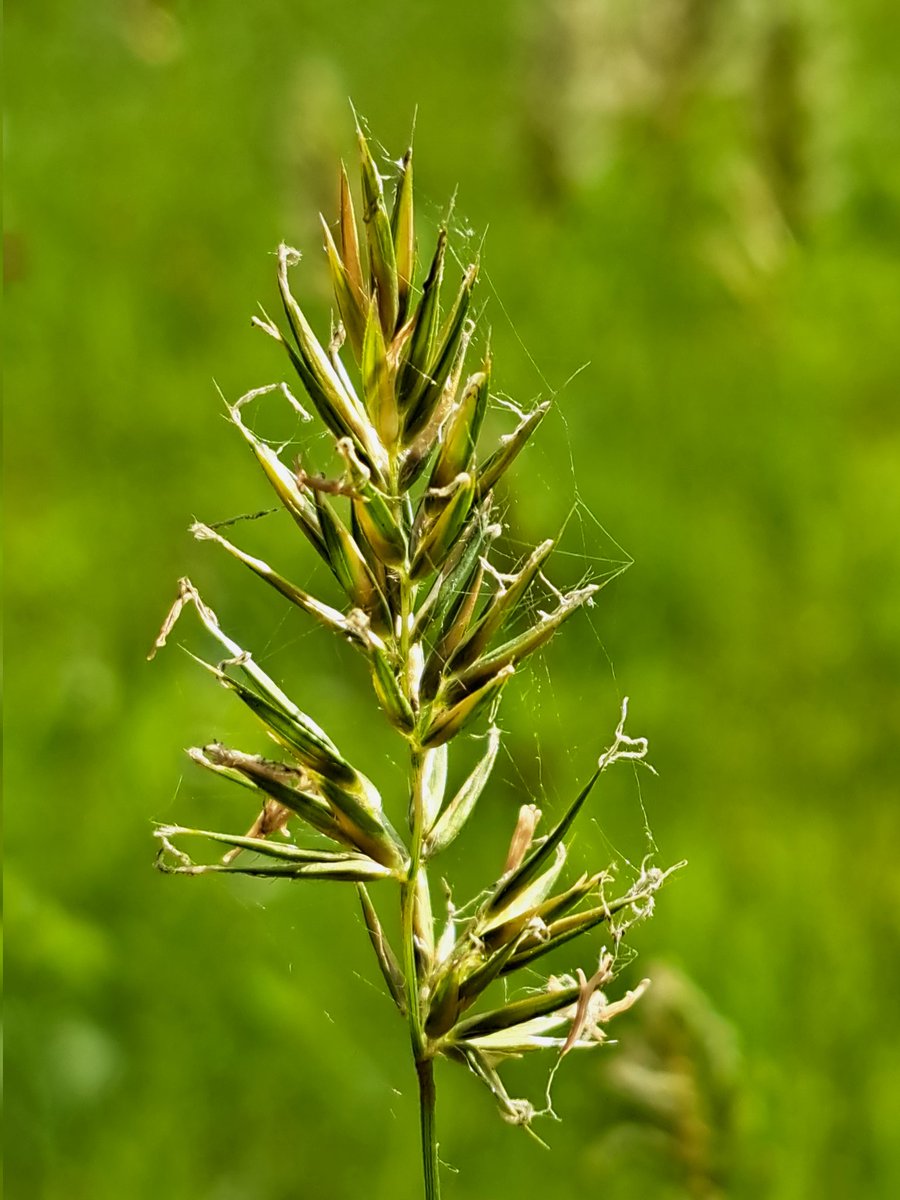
x=387, y=960
x=460, y=435
x=374, y=512
x=351, y=871
x=452, y=721
x=378, y=378
x=390, y=693
x=427, y=394
x=515, y=884
x=330, y=617
x=455, y=571
x=501, y=609
x=278, y=781
x=454, y=817
x=350, y=238
x=286, y=851
x=517, y=648
x=523, y=902
x=297, y=503
x=433, y=775
x=404, y=234
x=456, y=627
x=341, y=410
x=348, y=563
x=420, y=346
x=347, y=296
x=440, y=534
x=517, y=1013
x=498, y=463
x=380, y=240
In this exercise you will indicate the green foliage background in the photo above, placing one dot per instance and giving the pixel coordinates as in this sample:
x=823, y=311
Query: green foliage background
x=700, y=199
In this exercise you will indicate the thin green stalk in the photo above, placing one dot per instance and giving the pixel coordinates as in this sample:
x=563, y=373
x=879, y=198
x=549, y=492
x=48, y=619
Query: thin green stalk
x=408, y=913
x=424, y=1062
x=425, y=1071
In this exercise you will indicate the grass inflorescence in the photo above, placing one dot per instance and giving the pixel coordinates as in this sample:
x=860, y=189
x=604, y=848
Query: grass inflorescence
x=407, y=525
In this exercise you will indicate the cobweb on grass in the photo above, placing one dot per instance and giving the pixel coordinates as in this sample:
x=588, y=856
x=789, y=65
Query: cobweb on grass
x=592, y=553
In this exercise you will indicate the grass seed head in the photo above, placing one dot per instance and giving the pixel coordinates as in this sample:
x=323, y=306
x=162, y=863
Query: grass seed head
x=407, y=527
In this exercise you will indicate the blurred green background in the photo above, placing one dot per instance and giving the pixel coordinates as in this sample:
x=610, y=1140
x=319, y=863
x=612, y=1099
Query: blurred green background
x=701, y=200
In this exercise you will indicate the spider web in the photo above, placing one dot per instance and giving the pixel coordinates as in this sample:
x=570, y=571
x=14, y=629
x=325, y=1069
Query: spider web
x=594, y=553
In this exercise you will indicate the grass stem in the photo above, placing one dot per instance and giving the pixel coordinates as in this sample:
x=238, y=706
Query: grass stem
x=425, y=1072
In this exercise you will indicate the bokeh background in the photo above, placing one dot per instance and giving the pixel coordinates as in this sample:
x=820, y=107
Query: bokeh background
x=700, y=200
